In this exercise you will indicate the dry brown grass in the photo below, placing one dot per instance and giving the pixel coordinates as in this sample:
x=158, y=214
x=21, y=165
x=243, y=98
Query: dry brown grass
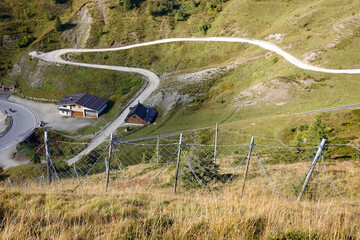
x=128, y=212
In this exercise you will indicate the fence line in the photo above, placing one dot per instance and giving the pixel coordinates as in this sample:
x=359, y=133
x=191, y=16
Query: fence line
x=210, y=159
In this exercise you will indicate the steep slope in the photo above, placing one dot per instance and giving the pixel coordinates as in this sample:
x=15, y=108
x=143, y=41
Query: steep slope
x=241, y=81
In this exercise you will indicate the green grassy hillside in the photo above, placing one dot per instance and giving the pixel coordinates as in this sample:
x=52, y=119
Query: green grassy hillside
x=252, y=83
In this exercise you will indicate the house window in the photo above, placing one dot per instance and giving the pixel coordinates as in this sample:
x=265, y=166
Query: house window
x=134, y=116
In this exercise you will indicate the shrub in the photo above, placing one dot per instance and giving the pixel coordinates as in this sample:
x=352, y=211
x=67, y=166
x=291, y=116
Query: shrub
x=201, y=159
x=210, y=6
x=128, y=5
x=36, y=158
x=180, y=16
x=202, y=165
x=203, y=27
x=356, y=113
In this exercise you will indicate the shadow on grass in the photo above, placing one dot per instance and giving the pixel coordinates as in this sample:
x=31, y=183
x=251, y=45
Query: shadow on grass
x=68, y=26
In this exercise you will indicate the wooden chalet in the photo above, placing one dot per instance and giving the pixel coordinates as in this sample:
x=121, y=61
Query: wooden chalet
x=82, y=105
x=141, y=115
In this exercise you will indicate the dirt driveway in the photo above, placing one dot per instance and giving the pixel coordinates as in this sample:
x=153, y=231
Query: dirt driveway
x=48, y=113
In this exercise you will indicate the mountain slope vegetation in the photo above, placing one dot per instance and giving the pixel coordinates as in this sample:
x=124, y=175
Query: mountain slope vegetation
x=243, y=81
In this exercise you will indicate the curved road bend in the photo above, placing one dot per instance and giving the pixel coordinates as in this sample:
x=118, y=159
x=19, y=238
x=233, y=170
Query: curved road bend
x=154, y=80
x=24, y=122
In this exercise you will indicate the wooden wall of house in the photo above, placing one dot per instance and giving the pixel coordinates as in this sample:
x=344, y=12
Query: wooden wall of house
x=135, y=119
x=78, y=114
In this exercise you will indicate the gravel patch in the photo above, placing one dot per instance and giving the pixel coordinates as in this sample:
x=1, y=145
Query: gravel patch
x=48, y=113
x=7, y=159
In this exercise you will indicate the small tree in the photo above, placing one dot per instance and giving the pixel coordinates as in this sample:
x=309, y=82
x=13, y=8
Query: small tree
x=58, y=24
x=202, y=169
x=203, y=27
x=36, y=158
x=149, y=10
x=47, y=16
x=201, y=159
x=146, y=157
x=128, y=5
x=194, y=4
x=180, y=16
x=317, y=131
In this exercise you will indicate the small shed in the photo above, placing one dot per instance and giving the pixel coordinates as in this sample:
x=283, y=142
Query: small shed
x=7, y=88
x=141, y=115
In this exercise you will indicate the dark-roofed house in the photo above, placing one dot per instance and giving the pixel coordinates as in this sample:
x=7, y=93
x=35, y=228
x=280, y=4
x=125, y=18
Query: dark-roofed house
x=82, y=105
x=140, y=114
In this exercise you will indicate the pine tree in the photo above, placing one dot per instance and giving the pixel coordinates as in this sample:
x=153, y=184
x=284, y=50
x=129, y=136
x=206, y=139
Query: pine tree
x=47, y=16
x=317, y=131
x=58, y=24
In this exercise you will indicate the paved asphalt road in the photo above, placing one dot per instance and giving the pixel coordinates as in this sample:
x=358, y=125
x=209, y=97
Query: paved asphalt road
x=24, y=123
x=329, y=109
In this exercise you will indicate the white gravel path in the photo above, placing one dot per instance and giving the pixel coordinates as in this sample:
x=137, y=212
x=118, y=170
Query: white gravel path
x=154, y=80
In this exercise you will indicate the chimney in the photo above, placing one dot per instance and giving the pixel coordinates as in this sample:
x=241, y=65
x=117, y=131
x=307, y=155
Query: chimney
x=147, y=114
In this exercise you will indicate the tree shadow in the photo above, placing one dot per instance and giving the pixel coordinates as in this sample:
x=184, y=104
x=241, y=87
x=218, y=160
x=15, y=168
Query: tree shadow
x=68, y=26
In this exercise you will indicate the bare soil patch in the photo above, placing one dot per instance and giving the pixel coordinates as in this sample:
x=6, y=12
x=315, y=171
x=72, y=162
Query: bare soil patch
x=277, y=92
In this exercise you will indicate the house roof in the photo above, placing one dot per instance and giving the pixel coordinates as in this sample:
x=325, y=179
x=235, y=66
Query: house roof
x=85, y=100
x=145, y=113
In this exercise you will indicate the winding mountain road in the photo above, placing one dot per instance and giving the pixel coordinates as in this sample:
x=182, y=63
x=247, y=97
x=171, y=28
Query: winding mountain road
x=23, y=123
x=154, y=80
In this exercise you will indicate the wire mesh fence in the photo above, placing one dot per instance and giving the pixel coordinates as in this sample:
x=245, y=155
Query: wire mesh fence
x=214, y=160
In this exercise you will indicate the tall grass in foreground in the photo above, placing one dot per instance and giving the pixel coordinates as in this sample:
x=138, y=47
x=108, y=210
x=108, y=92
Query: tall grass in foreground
x=36, y=212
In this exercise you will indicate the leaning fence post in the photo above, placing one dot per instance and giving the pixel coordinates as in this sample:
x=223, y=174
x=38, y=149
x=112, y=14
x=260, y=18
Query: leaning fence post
x=77, y=175
x=48, y=158
x=247, y=166
x=107, y=162
x=216, y=140
x=178, y=163
x=10, y=182
x=312, y=167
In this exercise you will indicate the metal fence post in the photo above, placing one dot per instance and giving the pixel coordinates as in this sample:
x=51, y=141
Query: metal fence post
x=108, y=161
x=216, y=140
x=10, y=182
x=48, y=158
x=312, y=167
x=157, y=150
x=178, y=163
x=77, y=175
x=247, y=165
